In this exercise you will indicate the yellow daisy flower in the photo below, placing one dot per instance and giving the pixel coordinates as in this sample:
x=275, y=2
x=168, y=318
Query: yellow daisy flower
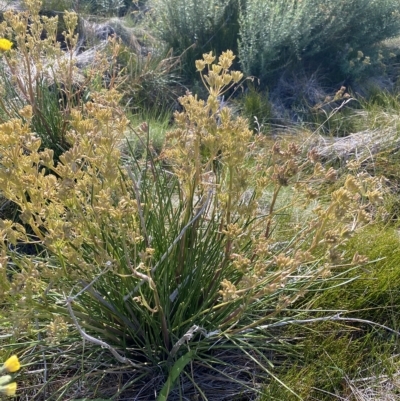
x=5, y=45
x=12, y=363
x=10, y=389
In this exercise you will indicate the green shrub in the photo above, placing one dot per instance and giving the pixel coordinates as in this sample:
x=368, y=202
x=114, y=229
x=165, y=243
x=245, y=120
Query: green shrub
x=192, y=27
x=340, y=36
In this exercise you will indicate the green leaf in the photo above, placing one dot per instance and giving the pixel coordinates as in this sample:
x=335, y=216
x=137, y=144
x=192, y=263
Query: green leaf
x=174, y=374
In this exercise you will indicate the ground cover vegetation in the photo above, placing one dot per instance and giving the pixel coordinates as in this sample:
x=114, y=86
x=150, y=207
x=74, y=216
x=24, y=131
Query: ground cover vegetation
x=199, y=200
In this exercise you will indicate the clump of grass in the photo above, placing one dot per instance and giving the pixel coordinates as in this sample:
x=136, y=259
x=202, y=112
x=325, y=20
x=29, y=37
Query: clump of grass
x=149, y=133
x=151, y=82
x=256, y=107
x=372, y=292
x=332, y=361
x=335, y=115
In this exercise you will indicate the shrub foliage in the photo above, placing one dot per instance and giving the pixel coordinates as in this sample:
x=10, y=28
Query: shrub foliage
x=341, y=36
x=192, y=28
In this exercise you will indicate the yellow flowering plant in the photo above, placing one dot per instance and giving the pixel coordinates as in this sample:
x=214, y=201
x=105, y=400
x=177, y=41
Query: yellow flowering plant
x=39, y=73
x=11, y=365
x=190, y=245
x=162, y=264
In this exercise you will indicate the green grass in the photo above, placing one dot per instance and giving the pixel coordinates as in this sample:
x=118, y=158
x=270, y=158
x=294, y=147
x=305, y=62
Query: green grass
x=256, y=107
x=333, y=362
x=333, y=358
x=373, y=294
x=149, y=129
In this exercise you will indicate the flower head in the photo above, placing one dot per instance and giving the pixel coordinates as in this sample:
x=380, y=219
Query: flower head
x=6, y=387
x=9, y=389
x=200, y=64
x=5, y=44
x=12, y=364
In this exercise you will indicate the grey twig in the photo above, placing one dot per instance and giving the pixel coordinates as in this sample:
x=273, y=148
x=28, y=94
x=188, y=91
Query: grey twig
x=87, y=286
x=334, y=318
x=96, y=341
x=185, y=338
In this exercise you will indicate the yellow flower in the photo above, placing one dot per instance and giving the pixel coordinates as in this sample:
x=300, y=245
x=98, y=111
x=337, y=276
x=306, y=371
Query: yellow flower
x=12, y=364
x=200, y=64
x=208, y=58
x=5, y=44
x=236, y=76
x=10, y=389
